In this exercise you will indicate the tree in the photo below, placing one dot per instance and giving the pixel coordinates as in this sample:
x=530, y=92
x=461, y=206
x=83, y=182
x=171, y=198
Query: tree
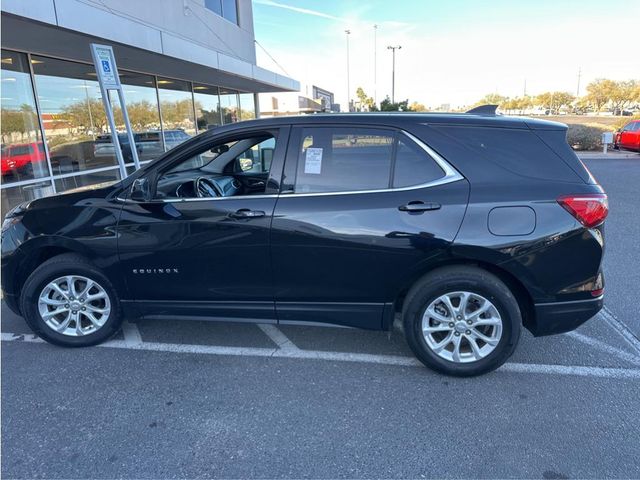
x=387, y=106
x=554, y=101
x=85, y=115
x=142, y=115
x=12, y=122
x=417, y=107
x=599, y=93
x=636, y=92
x=622, y=94
x=365, y=102
x=491, y=99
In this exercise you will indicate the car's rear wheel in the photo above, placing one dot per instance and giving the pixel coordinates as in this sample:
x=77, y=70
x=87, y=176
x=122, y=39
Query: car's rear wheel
x=461, y=321
x=68, y=301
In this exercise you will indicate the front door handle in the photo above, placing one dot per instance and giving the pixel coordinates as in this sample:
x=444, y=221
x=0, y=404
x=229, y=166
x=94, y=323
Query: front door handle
x=246, y=213
x=419, y=206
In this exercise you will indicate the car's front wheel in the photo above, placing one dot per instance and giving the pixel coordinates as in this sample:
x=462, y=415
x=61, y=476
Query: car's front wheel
x=461, y=321
x=68, y=301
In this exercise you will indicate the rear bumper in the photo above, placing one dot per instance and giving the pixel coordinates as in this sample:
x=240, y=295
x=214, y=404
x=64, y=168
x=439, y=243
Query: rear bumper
x=560, y=317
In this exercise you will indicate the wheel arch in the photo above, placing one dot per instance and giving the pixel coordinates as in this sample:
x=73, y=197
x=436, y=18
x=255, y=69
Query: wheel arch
x=520, y=292
x=37, y=251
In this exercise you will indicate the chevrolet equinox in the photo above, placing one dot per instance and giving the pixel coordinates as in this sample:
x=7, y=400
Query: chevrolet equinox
x=466, y=226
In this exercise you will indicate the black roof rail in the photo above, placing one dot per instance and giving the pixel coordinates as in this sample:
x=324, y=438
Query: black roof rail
x=484, y=110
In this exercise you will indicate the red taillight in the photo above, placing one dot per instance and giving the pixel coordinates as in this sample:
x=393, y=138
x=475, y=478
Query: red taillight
x=589, y=209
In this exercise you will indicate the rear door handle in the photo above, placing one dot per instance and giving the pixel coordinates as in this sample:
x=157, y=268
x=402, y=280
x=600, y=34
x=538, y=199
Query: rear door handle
x=246, y=213
x=419, y=206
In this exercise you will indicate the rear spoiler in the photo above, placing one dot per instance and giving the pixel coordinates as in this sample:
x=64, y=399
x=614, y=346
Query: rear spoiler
x=484, y=110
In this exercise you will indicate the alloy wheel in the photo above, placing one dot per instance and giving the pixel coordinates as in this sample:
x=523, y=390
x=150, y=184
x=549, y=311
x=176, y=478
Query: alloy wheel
x=462, y=327
x=74, y=305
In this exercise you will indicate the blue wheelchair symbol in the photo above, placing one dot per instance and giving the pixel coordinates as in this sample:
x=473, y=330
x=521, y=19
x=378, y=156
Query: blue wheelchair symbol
x=105, y=66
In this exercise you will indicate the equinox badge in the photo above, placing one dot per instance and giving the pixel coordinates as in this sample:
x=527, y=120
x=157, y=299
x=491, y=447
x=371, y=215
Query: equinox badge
x=154, y=270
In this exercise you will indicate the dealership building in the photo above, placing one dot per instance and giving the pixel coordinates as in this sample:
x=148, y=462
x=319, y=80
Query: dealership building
x=186, y=66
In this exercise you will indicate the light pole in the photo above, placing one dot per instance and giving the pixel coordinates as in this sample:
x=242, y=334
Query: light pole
x=375, y=65
x=348, y=32
x=393, y=71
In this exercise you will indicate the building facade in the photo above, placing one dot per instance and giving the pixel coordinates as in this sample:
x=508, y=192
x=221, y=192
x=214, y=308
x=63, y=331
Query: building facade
x=310, y=99
x=185, y=65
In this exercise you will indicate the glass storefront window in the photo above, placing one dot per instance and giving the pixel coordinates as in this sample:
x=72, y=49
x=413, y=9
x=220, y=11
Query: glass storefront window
x=176, y=105
x=22, y=152
x=229, y=106
x=74, y=119
x=207, y=107
x=247, y=106
x=144, y=116
x=12, y=196
x=93, y=178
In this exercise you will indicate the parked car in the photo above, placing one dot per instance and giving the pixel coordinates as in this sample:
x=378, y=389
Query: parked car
x=148, y=144
x=19, y=158
x=466, y=226
x=628, y=137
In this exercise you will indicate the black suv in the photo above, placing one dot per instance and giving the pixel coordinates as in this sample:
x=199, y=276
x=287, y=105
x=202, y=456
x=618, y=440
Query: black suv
x=468, y=226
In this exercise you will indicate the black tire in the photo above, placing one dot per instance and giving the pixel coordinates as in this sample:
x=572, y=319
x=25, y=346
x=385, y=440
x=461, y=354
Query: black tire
x=453, y=279
x=61, y=265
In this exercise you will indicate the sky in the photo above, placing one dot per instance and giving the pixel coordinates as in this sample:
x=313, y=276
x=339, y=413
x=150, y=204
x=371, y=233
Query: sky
x=453, y=51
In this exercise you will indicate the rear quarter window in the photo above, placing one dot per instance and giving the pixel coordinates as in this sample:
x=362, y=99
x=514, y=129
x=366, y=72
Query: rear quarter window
x=520, y=151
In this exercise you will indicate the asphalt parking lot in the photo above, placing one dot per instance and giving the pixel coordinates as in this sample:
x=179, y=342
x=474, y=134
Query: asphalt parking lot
x=196, y=399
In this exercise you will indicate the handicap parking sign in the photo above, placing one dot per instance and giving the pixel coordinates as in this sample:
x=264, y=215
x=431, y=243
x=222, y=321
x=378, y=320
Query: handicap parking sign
x=105, y=65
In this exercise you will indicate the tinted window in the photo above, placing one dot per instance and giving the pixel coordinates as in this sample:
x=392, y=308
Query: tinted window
x=414, y=166
x=343, y=159
x=517, y=150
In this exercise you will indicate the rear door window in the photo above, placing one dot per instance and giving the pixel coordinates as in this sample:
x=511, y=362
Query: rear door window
x=413, y=165
x=344, y=159
x=350, y=159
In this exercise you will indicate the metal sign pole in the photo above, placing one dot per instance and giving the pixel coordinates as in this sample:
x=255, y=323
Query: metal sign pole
x=108, y=79
x=114, y=133
x=132, y=142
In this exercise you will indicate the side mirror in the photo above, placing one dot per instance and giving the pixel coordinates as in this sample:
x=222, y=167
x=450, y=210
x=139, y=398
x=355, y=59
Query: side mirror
x=245, y=164
x=141, y=190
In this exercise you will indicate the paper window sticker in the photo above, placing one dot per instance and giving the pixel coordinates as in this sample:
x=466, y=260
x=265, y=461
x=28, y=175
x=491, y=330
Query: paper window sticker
x=313, y=161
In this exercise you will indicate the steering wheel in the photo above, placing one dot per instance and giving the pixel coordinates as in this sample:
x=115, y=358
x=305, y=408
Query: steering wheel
x=206, y=188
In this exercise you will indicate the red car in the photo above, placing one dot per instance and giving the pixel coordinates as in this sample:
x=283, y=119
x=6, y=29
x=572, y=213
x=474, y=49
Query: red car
x=628, y=137
x=20, y=157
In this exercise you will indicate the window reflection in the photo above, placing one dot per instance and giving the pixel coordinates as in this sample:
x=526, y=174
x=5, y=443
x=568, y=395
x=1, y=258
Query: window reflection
x=144, y=116
x=176, y=105
x=207, y=107
x=73, y=115
x=96, y=179
x=247, y=106
x=229, y=106
x=22, y=152
x=13, y=196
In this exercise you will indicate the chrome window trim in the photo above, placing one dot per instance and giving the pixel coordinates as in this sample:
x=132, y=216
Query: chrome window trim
x=198, y=199
x=450, y=175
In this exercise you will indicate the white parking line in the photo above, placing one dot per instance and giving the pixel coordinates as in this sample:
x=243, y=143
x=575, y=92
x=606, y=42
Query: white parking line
x=572, y=370
x=592, y=342
x=277, y=337
x=623, y=330
x=131, y=333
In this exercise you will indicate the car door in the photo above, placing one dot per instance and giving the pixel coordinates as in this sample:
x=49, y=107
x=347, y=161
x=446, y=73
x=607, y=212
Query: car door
x=627, y=136
x=198, y=257
x=362, y=211
x=634, y=137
